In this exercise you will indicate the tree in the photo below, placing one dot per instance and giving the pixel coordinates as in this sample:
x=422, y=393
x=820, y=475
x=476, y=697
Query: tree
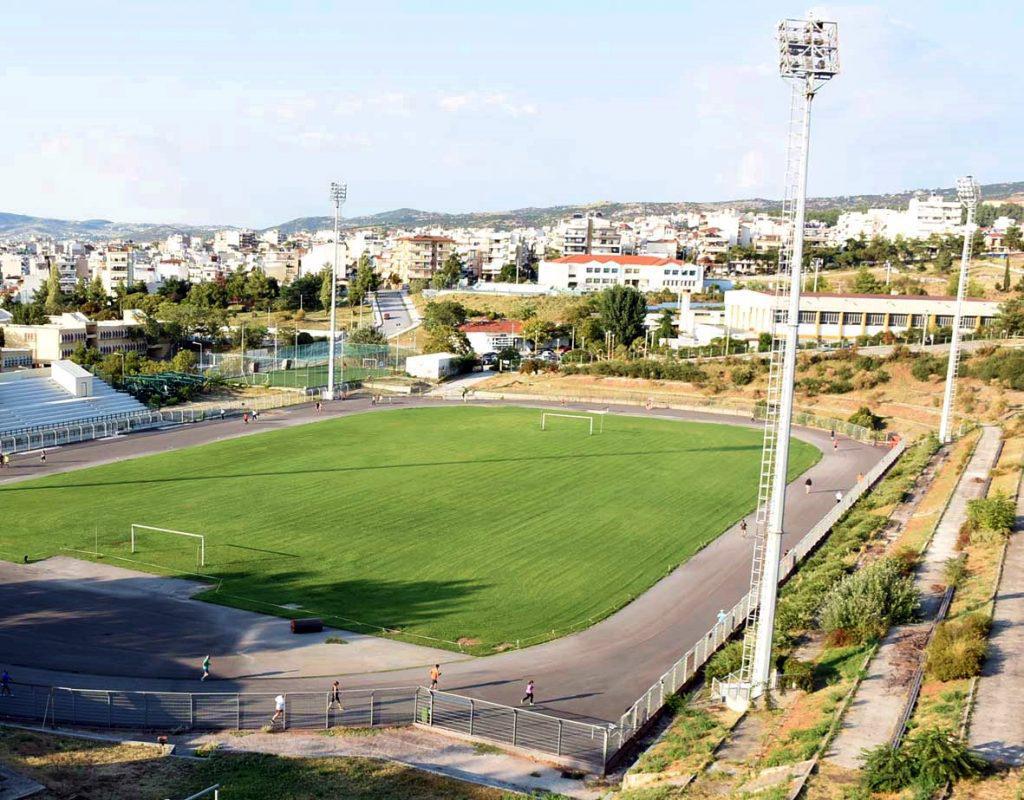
x=666, y=325
x=866, y=418
x=623, y=309
x=174, y=289
x=1011, y=316
x=537, y=331
x=866, y=283
x=367, y=336
x=449, y=273
x=365, y=281
x=325, y=287
x=1014, y=239
x=943, y=261
x=184, y=361
x=54, y=297
x=1006, y=275
x=444, y=313
x=304, y=292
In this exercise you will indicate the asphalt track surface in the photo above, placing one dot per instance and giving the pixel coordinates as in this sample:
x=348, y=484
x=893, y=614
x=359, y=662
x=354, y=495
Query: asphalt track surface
x=93, y=640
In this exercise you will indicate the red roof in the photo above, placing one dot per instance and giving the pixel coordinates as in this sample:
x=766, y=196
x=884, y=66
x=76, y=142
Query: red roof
x=636, y=261
x=492, y=326
x=887, y=296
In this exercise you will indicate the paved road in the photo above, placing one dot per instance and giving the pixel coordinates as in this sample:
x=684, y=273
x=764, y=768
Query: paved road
x=397, y=315
x=594, y=674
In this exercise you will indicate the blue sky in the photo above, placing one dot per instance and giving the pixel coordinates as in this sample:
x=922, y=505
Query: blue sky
x=242, y=113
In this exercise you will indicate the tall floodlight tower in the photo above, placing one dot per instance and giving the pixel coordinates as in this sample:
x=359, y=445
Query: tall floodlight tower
x=339, y=192
x=968, y=191
x=808, y=57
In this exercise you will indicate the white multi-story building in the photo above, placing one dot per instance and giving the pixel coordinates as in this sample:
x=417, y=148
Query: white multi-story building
x=592, y=273
x=847, y=316
x=924, y=217
x=233, y=239
x=589, y=234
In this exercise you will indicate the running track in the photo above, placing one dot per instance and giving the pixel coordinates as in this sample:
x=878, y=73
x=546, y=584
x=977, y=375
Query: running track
x=592, y=675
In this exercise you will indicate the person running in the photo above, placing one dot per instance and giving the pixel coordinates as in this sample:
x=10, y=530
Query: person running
x=278, y=710
x=839, y=496
x=435, y=675
x=465, y=391
x=807, y=486
x=743, y=528
x=245, y=418
x=317, y=406
x=42, y=456
x=335, y=696
x=860, y=477
x=528, y=697
x=3, y=460
x=835, y=445
x=832, y=434
x=5, y=685
x=222, y=413
x=206, y=668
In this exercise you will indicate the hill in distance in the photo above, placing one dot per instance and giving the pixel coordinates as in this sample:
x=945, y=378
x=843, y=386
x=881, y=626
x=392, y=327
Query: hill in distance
x=19, y=226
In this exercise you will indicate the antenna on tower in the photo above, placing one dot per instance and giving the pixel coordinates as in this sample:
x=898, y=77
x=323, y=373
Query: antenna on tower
x=968, y=191
x=808, y=57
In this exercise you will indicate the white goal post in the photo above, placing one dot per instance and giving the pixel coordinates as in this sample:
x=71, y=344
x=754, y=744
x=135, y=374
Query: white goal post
x=199, y=536
x=545, y=414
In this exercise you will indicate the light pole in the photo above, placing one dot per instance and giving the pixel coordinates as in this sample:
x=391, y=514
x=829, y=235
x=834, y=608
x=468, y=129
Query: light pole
x=809, y=57
x=339, y=193
x=968, y=191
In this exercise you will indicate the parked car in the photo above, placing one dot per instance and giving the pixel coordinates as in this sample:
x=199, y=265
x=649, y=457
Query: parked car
x=489, y=359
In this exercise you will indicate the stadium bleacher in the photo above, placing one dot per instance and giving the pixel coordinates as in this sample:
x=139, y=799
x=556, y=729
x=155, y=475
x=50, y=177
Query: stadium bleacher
x=33, y=398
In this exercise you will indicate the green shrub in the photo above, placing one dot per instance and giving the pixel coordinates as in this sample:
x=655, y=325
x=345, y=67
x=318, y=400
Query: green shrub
x=938, y=756
x=726, y=661
x=866, y=603
x=743, y=375
x=954, y=570
x=957, y=650
x=927, y=365
x=866, y=418
x=926, y=761
x=885, y=769
x=797, y=674
x=996, y=514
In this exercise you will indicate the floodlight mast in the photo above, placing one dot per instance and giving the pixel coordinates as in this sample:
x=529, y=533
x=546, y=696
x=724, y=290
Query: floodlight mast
x=339, y=192
x=809, y=57
x=968, y=192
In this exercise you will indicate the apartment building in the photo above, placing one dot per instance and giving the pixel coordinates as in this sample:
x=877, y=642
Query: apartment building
x=419, y=257
x=838, y=316
x=589, y=234
x=592, y=273
x=58, y=338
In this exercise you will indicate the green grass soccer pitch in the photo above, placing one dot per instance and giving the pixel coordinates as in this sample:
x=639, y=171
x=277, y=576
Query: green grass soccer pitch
x=457, y=523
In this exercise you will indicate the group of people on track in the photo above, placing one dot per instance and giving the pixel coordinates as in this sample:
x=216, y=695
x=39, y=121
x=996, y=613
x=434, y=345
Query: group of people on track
x=334, y=700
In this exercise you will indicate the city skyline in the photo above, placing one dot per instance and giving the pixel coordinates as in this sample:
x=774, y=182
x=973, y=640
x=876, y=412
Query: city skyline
x=243, y=116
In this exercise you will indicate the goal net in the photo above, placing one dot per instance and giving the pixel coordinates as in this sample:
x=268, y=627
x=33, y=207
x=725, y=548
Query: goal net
x=549, y=415
x=145, y=531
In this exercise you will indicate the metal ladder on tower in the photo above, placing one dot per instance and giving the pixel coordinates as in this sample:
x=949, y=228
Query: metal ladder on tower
x=773, y=393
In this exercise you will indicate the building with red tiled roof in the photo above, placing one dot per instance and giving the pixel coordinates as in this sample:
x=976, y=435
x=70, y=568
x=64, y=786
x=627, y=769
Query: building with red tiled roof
x=490, y=336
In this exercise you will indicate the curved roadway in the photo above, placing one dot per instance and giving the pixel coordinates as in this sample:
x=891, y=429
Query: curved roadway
x=594, y=675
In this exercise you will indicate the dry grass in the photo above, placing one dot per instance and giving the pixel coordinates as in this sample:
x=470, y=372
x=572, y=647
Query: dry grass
x=71, y=768
x=547, y=308
x=1004, y=786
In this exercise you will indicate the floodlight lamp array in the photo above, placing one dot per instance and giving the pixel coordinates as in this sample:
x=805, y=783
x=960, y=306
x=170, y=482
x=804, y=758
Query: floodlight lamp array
x=968, y=191
x=808, y=50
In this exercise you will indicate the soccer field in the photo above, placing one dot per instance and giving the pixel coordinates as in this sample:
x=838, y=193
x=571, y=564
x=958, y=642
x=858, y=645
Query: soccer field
x=456, y=523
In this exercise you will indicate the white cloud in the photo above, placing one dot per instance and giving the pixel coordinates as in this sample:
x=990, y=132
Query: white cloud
x=486, y=102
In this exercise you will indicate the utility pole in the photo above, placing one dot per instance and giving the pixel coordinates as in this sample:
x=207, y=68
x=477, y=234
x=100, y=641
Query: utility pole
x=968, y=191
x=339, y=193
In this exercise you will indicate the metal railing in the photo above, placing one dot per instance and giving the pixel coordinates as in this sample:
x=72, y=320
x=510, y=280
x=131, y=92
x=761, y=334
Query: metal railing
x=187, y=711
x=679, y=674
x=209, y=791
x=566, y=739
